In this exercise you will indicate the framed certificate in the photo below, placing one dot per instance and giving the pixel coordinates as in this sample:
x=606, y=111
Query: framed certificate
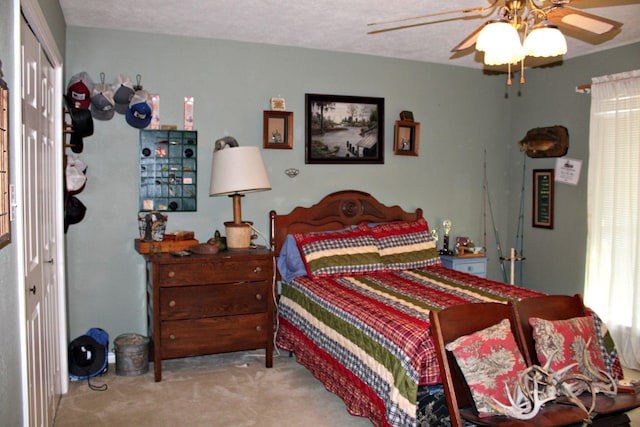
x=543, y=198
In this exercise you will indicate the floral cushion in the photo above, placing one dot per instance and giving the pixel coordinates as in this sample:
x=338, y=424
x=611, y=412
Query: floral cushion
x=490, y=361
x=405, y=245
x=565, y=341
x=335, y=253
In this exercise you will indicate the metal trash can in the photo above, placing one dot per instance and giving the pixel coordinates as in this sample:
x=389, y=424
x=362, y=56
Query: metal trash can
x=132, y=354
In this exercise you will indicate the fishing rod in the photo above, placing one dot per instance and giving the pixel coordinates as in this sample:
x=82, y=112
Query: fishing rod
x=493, y=222
x=519, y=243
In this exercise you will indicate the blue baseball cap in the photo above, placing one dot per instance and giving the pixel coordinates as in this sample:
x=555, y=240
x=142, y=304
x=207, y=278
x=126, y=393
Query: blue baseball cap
x=139, y=113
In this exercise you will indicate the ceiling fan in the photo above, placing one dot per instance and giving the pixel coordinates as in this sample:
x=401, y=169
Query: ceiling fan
x=519, y=13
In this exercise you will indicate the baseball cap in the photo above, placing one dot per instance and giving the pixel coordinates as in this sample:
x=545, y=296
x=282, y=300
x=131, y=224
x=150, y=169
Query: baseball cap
x=79, y=90
x=74, y=211
x=103, y=107
x=122, y=93
x=81, y=125
x=139, y=113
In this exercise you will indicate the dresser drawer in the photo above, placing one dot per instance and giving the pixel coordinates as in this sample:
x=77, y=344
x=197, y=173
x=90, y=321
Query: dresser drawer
x=194, y=302
x=180, y=338
x=214, y=272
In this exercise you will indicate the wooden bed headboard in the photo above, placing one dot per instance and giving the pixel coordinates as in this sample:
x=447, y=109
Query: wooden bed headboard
x=335, y=211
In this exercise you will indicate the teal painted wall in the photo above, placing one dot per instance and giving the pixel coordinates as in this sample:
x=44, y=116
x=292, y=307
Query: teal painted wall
x=55, y=20
x=556, y=258
x=462, y=113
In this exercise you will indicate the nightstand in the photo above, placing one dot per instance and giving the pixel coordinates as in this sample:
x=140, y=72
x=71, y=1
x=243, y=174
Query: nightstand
x=476, y=265
x=206, y=304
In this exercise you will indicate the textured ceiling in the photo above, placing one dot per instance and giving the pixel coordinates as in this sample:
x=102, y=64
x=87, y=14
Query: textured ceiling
x=335, y=25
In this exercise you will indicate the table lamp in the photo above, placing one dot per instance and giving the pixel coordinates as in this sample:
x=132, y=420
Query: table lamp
x=234, y=171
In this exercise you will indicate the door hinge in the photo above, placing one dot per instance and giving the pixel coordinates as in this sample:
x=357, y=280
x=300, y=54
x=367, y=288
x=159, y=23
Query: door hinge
x=12, y=202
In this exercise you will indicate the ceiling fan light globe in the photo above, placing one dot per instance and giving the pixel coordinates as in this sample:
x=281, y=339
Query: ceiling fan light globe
x=544, y=41
x=496, y=33
x=502, y=57
x=500, y=42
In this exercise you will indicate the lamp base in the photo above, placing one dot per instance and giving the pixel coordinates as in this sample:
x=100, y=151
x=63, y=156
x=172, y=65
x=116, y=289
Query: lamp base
x=238, y=235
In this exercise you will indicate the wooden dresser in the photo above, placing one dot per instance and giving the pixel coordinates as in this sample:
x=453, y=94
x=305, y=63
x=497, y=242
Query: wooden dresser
x=205, y=304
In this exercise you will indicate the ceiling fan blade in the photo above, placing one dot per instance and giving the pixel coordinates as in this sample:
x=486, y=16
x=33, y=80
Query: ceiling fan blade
x=419, y=24
x=430, y=15
x=577, y=19
x=470, y=41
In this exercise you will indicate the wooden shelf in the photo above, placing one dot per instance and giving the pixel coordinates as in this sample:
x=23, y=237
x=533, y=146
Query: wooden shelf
x=164, y=246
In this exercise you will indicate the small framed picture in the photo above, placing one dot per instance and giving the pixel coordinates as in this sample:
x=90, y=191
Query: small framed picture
x=277, y=104
x=407, y=138
x=278, y=129
x=406, y=116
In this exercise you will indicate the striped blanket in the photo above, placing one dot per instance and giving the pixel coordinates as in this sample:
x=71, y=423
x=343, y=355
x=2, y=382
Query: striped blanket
x=367, y=338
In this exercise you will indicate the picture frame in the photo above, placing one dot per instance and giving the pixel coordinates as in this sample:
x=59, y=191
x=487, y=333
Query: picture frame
x=342, y=129
x=5, y=202
x=277, y=129
x=543, y=193
x=278, y=104
x=406, y=116
x=407, y=138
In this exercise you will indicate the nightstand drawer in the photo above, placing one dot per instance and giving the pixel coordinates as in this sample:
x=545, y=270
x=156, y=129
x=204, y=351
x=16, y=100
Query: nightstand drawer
x=471, y=265
x=181, y=338
x=215, y=272
x=192, y=302
x=477, y=268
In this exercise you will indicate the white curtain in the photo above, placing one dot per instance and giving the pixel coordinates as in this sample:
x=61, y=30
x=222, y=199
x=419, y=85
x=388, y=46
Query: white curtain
x=612, y=286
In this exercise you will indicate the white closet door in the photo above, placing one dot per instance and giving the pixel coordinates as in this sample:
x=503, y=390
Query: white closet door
x=42, y=293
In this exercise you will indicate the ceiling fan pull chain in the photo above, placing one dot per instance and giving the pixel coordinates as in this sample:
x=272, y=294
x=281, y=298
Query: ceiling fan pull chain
x=509, y=75
x=522, y=72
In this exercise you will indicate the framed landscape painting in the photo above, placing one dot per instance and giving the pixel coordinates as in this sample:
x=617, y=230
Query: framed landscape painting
x=344, y=129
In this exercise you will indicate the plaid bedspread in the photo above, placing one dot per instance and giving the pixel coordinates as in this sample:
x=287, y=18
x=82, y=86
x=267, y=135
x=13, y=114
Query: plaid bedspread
x=367, y=338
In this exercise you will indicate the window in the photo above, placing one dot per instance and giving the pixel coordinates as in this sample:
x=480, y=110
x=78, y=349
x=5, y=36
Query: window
x=612, y=279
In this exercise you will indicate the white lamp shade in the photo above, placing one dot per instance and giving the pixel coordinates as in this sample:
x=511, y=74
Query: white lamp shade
x=500, y=43
x=545, y=40
x=238, y=170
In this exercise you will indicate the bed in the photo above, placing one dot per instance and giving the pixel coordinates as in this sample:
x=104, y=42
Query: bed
x=357, y=281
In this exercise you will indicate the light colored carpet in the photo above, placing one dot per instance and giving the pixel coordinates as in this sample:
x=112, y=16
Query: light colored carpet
x=233, y=389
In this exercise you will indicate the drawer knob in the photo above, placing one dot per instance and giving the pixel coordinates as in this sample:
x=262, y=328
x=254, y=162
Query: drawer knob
x=258, y=328
x=257, y=270
x=172, y=274
x=172, y=337
x=172, y=303
x=259, y=297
